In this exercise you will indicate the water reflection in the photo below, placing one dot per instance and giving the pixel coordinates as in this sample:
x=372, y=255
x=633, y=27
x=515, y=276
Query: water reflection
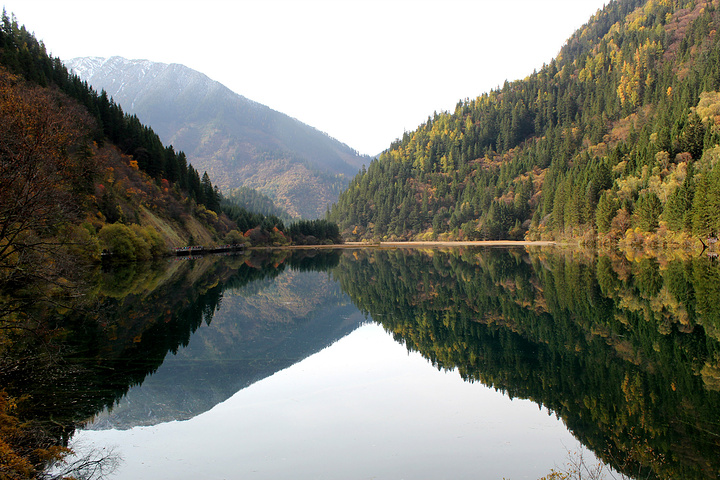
x=362, y=408
x=256, y=330
x=626, y=353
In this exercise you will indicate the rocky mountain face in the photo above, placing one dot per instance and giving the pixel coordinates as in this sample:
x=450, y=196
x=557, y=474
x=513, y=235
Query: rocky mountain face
x=239, y=142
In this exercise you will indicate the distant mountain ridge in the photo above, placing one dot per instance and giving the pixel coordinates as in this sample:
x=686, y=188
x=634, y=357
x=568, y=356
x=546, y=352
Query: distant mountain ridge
x=239, y=142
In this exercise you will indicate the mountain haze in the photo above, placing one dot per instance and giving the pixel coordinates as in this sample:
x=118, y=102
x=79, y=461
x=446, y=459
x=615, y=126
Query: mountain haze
x=239, y=142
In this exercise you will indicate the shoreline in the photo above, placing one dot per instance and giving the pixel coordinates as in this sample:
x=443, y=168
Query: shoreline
x=416, y=244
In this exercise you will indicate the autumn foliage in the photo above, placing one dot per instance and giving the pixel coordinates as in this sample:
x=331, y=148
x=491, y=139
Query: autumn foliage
x=21, y=455
x=42, y=140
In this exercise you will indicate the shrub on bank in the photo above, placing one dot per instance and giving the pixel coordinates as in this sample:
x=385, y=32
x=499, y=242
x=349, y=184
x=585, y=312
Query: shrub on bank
x=128, y=244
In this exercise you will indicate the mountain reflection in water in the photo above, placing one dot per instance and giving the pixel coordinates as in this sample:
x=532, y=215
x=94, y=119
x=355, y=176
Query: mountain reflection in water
x=624, y=352
x=255, y=332
x=361, y=408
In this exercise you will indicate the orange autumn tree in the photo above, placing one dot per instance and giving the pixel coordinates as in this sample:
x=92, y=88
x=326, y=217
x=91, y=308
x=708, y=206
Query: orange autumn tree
x=43, y=161
x=21, y=455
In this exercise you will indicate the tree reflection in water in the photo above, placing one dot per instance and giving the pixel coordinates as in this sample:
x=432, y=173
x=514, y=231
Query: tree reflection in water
x=627, y=353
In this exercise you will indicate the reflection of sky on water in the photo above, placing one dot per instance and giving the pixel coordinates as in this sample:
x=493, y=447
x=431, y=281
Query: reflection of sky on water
x=362, y=408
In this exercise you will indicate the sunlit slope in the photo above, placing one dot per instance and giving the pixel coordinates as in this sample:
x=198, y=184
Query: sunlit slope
x=618, y=132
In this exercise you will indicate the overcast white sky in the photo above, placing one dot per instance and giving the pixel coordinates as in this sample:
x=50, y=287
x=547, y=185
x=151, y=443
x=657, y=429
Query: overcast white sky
x=364, y=71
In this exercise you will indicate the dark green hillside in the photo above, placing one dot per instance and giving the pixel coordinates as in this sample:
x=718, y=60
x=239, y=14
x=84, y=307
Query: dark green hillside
x=22, y=54
x=617, y=136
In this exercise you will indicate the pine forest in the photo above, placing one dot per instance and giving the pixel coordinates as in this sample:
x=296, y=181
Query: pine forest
x=616, y=140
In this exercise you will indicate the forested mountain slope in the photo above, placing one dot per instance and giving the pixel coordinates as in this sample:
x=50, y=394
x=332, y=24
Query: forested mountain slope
x=78, y=175
x=239, y=142
x=616, y=139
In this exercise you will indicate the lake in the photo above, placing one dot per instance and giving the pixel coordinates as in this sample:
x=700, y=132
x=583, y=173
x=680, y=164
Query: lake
x=399, y=363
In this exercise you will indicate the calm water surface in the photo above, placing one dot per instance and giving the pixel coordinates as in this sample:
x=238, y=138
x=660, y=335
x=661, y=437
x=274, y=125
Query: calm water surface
x=414, y=364
x=361, y=408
